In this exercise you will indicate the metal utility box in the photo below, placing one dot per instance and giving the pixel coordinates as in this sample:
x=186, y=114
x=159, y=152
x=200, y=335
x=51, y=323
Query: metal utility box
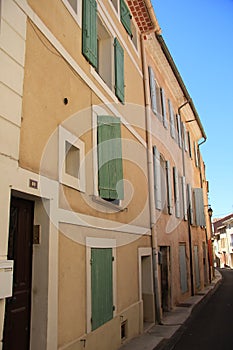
x=6, y=278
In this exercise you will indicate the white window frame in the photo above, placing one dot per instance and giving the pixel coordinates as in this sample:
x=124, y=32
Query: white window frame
x=93, y=242
x=77, y=16
x=79, y=183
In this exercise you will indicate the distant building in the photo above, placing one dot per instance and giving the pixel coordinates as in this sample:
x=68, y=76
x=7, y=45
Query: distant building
x=223, y=235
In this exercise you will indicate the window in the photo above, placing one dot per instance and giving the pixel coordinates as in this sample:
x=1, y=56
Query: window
x=178, y=121
x=97, y=48
x=110, y=169
x=199, y=207
x=164, y=110
x=183, y=268
x=157, y=179
x=155, y=93
x=125, y=16
x=169, y=188
x=184, y=194
x=176, y=192
x=71, y=160
x=171, y=117
x=74, y=7
x=134, y=35
x=101, y=286
x=196, y=154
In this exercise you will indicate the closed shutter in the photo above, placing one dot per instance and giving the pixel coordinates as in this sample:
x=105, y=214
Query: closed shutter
x=172, y=124
x=179, y=130
x=190, y=203
x=119, y=71
x=152, y=90
x=183, y=181
x=101, y=286
x=183, y=268
x=89, y=31
x=125, y=17
x=110, y=171
x=176, y=192
x=199, y=207
x=164, y=112
x=169, y=188
x=157, y=179
x=197, y=270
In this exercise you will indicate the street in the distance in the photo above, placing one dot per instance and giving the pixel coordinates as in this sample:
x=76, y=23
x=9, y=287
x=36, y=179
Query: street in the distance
x=210, y=325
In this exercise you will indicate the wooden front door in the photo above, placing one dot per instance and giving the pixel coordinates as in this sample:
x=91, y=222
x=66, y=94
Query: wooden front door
x=16, y=333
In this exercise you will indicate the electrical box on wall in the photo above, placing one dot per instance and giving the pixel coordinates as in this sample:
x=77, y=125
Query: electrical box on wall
x=6, y=278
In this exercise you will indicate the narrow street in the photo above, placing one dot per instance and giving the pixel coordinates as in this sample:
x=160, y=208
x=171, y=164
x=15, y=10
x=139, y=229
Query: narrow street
x=210, y=325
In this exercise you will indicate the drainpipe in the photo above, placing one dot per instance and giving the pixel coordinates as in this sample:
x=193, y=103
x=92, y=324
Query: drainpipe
x=189, y=215
x=154, y=243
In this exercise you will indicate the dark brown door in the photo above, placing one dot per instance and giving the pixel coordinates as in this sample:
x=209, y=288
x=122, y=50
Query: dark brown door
x=16, y=333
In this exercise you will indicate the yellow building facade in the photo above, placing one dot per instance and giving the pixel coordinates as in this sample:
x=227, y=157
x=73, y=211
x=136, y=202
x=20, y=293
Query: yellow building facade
x=100, y=186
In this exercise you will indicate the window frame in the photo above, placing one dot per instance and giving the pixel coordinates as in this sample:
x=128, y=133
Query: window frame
x=77, y=16
x=78, y=183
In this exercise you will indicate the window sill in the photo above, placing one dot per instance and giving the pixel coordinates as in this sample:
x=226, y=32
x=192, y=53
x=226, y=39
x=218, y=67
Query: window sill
x=107, y=204
x=103, y=84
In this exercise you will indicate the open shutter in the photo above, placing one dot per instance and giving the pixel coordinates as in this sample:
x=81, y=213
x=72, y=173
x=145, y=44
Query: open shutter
x=157, y=179
x=169, y=188
x=176, y=192
x=172, y=124
x=164, y=112
x=189, y=144
x=196, y=154
x=101, y=286
x=199, y=207
x=110, y=171
x=190, y=203
x=125, y=17
x=152, y=90
x=89, y=31
x=185, y=137
x=179, y=130
x=119, y=71
x=183, y=181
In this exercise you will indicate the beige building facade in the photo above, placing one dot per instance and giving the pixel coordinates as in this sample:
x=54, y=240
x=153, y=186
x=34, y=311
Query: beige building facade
x=101, y=176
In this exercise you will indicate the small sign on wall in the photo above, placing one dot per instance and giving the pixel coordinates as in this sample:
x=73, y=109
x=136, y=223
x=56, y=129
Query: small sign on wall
x=33, y=184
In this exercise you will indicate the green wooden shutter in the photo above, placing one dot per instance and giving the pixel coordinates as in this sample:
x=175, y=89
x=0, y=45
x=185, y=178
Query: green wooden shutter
x=164, y=112
x=125, y=16
x=101, y=286
x=119, y=71
x=169, y=188
x=157, y=179
x=110, y=169
x=89, y=31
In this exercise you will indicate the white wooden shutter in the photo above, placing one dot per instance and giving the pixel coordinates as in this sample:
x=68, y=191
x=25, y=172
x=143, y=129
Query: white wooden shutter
x=152, y=90
x=199, y=207
x=185, y=137
x=176, y=192
x=169, y=188
x=157, y=179
x=172, y=124
x=164, y=112
x=179, y=130
x=183, y=182
x=196, y=154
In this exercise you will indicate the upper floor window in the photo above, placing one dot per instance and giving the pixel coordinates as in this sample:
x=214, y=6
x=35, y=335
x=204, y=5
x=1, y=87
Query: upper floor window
x=104, y=52
x=74, y=7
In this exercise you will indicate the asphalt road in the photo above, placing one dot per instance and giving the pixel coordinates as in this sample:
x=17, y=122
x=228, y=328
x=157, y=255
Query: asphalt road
x=211, y=323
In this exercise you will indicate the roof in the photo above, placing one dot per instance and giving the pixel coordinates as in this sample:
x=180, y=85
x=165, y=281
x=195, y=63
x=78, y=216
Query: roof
x=221, y=222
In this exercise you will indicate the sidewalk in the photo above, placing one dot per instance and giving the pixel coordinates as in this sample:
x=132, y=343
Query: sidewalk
x=171, y=322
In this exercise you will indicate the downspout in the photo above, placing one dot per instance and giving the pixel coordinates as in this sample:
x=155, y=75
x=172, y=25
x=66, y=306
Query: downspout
x=189, y=217
x=154, y=243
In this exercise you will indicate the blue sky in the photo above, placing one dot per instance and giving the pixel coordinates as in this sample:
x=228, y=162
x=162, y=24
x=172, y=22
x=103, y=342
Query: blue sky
x=199, y=35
